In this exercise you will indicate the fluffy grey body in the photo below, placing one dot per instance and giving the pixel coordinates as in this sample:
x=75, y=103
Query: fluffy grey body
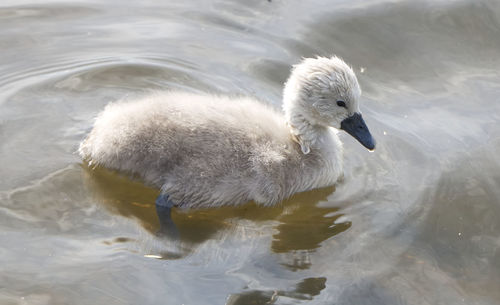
x=207, y=151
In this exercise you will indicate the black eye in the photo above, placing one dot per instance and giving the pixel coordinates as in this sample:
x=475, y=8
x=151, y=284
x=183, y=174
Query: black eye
x=341, y=104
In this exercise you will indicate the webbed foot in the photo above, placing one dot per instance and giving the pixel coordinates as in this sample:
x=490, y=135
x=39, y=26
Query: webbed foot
x=163, y=209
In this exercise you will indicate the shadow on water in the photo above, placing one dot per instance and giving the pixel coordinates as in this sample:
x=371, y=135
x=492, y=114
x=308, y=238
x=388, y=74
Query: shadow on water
x=300, y=223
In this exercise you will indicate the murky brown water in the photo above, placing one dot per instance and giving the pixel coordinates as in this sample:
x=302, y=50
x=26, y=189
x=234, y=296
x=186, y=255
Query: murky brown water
x=415, y=222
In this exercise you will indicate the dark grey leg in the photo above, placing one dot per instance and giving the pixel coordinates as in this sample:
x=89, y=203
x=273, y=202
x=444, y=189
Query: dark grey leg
x=163, y=209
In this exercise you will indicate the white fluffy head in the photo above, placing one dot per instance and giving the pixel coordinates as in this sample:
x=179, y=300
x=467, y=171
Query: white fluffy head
x=315, y=89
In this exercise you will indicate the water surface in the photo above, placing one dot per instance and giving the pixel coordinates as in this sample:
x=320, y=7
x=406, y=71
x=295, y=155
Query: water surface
x=415, y=222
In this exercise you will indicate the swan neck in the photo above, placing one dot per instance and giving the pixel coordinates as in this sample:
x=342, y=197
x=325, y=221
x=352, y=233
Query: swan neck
x=303, y=129
x=304, y=132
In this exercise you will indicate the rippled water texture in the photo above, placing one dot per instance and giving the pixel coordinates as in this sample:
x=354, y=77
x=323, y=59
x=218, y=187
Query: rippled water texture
x=415, y=222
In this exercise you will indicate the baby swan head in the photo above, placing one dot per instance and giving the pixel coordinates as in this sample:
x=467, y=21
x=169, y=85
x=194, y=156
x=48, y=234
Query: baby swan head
x=322, y=92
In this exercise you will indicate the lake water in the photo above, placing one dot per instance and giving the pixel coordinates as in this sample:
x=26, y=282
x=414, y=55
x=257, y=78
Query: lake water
x=414, y=222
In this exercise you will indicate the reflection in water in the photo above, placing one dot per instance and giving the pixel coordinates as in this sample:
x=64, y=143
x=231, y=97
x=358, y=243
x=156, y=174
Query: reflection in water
x=305, y=290
x=123, y=196
x=300, y=223
x=306, y=226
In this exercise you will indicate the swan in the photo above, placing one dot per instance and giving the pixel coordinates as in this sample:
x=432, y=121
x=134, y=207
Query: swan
x=209, y=151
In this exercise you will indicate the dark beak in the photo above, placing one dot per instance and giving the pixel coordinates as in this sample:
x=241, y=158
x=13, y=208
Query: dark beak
x=356, y=127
